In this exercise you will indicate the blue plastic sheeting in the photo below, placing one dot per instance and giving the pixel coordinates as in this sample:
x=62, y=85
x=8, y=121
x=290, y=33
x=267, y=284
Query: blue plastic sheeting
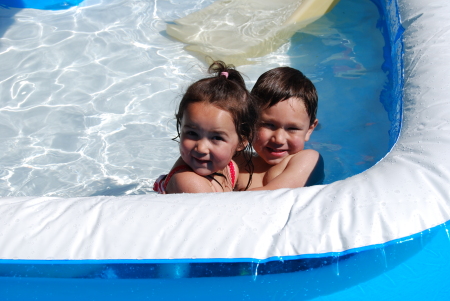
x=40, y=4
x=391, y=96
x=415, y=269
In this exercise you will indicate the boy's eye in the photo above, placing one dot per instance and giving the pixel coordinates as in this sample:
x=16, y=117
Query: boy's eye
x=268, y=125
x=293, y=129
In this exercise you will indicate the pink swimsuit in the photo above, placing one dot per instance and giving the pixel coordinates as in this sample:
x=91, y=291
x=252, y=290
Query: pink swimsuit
x=162, y=181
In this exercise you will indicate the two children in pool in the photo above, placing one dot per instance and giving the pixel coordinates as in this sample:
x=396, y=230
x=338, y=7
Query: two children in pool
x=218, y=120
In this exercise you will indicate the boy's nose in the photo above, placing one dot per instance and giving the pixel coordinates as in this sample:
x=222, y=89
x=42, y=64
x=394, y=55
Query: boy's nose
x=279, y=136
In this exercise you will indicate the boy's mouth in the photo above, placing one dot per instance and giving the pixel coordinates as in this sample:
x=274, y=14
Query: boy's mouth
x=276, y=152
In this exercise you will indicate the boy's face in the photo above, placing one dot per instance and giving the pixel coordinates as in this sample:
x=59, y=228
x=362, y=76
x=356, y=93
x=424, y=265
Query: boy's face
x=283, y=130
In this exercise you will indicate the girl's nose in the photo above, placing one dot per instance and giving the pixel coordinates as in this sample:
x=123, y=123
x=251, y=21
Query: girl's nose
x=202, y=146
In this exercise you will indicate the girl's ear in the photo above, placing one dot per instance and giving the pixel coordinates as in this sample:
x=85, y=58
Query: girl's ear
x=242, y=146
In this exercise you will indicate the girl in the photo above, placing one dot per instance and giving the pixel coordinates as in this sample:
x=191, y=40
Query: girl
x=216, y=120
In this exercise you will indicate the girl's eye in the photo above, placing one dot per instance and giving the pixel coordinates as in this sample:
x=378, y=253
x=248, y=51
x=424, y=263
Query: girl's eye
x=218, y=138
x=191, y=133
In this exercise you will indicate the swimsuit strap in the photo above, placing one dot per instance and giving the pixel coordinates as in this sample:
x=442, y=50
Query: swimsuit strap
x=174, y=171
x=232, y=173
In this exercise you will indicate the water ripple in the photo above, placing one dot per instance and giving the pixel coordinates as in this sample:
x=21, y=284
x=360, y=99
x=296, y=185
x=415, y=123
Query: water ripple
x=88, y=94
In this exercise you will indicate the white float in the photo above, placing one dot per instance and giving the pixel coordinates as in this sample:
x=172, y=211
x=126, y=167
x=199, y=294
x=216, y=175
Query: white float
x=235, y=30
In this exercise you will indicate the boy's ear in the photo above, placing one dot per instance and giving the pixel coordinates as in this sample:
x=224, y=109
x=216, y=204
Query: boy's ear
x=311, y=129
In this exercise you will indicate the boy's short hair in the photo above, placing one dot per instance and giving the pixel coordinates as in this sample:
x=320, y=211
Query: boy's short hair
x=282, y=83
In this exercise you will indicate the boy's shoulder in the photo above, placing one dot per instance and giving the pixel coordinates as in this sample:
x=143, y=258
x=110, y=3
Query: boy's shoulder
x=305, y=168
x=297, y=170
x=295, y=165
x=302, y=156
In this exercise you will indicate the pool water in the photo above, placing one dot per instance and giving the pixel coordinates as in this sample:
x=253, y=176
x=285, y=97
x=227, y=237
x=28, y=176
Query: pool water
x=41, y=4
x=88, y=94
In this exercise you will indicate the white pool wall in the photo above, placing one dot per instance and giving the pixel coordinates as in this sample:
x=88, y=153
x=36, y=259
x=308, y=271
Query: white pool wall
x=403, y=194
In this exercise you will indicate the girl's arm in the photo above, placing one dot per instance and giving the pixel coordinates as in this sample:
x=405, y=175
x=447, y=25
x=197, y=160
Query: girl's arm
x=188, y=182
x=305, y=167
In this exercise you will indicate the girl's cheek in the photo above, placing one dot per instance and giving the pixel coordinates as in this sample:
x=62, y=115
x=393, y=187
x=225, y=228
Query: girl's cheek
x=184, y=147
x=234, y=149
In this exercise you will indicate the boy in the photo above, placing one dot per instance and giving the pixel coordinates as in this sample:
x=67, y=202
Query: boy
x=288, y=102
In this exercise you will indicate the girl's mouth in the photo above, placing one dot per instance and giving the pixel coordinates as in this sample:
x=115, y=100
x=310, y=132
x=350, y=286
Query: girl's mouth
x=200, y=161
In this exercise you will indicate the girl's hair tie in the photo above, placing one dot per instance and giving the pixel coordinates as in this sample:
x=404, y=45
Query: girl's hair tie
x=224, y=73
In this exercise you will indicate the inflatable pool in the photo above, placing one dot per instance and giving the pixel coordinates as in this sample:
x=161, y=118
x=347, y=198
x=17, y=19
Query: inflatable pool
x=350, y=239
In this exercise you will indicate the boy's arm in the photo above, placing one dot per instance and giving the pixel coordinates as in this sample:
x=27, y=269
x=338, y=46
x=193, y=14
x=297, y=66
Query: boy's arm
x=301, y=168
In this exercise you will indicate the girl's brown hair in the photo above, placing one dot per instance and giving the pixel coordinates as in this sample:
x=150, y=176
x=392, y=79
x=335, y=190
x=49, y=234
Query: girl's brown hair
x=226, y=90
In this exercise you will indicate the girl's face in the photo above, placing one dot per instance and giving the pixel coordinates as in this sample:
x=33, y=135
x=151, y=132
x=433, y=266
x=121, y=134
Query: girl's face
x=208, y=138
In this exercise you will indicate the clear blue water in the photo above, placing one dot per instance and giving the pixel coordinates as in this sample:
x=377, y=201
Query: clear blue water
x=41, y=4
x=353, y=135
x=87, y=94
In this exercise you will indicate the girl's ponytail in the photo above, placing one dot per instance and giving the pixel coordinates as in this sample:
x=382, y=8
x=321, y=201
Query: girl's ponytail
x=222, y=70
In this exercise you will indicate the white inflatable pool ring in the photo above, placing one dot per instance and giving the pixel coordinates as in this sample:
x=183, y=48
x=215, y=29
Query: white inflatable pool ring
x=405, y=193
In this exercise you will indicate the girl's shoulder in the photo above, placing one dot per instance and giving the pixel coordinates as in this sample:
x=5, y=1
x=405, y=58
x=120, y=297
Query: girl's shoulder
x=225, y=180
x=187, y=181
x=184, y=180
